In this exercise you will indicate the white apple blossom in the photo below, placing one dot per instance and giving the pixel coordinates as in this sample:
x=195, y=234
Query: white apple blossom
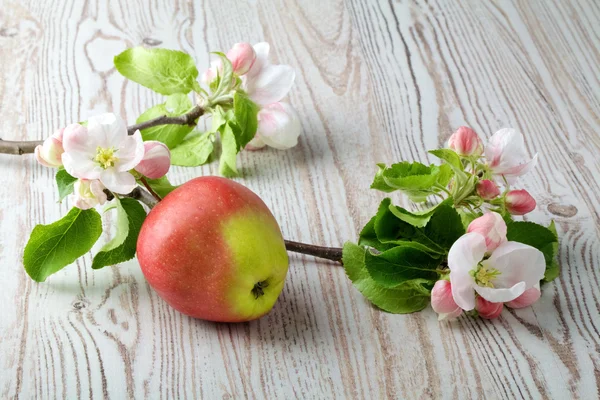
x=506, y=155
x=103, y=150
x=88, y=194
x=278, y=127
x=511, y=269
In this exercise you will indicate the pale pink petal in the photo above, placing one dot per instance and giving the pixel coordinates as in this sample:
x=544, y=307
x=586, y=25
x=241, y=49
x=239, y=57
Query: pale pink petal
x=516, y=262
x=97, y=189
x=118, y=182
x=49, y=154
x=130, y=152
x=271, y=84
x=76, y=139
x=507, y=156
x=242, y=57
x=82, y=196
x=501, y=295
x=81, y=166
x=464, y=255
x=107, y=129
x=441, y=297
x=528, y=297
x=279, y=126
x=156, y=161
x=262, y=60
x=451, y=315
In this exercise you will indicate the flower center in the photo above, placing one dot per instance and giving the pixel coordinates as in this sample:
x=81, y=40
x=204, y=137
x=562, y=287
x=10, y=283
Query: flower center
x=106, y=157
x=483, y=276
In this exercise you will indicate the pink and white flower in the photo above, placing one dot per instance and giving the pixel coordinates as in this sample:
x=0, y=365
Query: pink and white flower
x=49, y=154
x=103, y=150
x=442, y=301
x=519, y=202
x=511, y=269
x=267, y=83
x=156, y=161
x=492, y=227
x=278, y=127
x=465, y=142
x=506, y=155
x=88, y=194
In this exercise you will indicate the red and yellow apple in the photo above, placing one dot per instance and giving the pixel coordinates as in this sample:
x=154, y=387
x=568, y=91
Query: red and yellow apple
x=213, y=250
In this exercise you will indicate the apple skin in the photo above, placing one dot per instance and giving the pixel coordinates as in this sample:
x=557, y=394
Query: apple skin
x=206, y=246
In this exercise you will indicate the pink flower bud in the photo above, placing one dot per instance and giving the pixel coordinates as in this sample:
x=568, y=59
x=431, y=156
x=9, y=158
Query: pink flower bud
x=442, y=301
x=488, y=310
x=492, y=227
x=242, y=56
x=156, y=161
x=465, y=142
x=528, y=297
x=487, y=189
x=50, y=153
x=519, y=202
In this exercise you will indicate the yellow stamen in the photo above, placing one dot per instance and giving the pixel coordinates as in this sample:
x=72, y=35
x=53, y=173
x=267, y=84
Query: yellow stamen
x=483, y=276
x=106, y=157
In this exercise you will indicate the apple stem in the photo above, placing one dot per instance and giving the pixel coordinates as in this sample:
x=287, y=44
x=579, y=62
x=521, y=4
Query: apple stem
x=328, y=253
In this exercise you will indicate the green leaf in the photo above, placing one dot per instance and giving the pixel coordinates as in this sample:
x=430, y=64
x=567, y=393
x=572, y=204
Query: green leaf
x=418, y=218
x=408, y=297
x=193, y=151
x=164, y=71
x=246, y=112
x=414, y=179
x=445, y=226
x=450, y=157
x=227, y=166
x=542, y=238
x=401, y=264
x=52, y=247
x=130, y=216
x=225, y=76
x=171, y=135
x=552, y=267
x=65, y=183
x=161, y=186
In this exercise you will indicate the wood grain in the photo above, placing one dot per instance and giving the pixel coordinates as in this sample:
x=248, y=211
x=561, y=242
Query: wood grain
x=377, y=81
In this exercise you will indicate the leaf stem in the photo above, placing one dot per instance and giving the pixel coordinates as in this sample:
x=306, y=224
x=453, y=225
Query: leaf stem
x=149, y=188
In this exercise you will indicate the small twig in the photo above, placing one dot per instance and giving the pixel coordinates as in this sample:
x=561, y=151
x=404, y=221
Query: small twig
x=18, y=148
x=27, y=147
x=149, y=188
x=328, y=253
x=142, y=195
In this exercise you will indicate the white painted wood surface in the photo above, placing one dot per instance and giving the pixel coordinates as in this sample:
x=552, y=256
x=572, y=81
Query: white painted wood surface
x=377, y=81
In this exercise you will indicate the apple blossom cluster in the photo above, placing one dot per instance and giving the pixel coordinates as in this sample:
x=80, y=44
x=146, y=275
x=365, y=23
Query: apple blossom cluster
x=467, y=253
x=103, y=158
x=266, y=84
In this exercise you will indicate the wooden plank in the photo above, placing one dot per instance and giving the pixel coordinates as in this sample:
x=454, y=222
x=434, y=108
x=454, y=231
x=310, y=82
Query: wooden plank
x=377, y=81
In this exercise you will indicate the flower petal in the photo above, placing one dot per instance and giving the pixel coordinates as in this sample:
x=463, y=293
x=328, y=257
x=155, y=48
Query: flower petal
x=130, y=152
x=108, y=129
x=501, y=295
x=76, y=138
x=464, y=255
x=81, y=166
x=261, y=61
x=255, y=144
x=516, y=262
x=156, y=161
x=271, y=84
x=507, y=156
x=528, y=297
x=279, y=126
x=118, y=182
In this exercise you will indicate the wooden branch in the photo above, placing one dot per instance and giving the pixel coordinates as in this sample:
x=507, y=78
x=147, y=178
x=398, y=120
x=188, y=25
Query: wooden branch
x=328, y=253
x=27, y=147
